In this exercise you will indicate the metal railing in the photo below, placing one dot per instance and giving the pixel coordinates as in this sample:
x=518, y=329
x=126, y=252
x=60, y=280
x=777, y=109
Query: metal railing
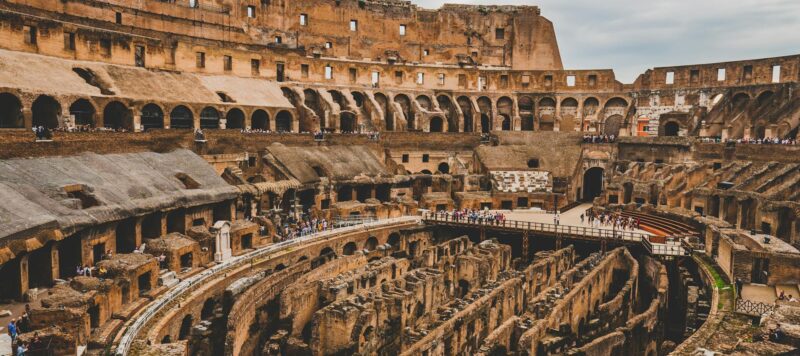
x=673, y=246
x=753, y=308
x=254, y=257
x=542, y=227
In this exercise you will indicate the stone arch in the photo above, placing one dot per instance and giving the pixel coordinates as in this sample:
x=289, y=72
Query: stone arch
x=590, y=106
x=546, y=113
x=394, y=240
x=671, y=128
x=740, y=99
x=84, y=112
x=388, y=116
x=259, y=120
x=764, y=97
x=328, y=253
x=759, y=130
x=466, y=108
x=339, y=99
x=450, y=112
x=485, y=107
x=569, y=114
x=349, y=249
x=117, y=116
x=181, y=117
x=443, y=168
x=283, y=121
x=592, y=183
x=425, y=102
x=405, y=107
x=234, y=119
x=209, y=118
x=46, y=111
x=358, y=97
x=371, y=244
x=312, y=100
x=436, y=124
x=616, y=102
x=11, y=111
x=505, y=108
x=526, y=113
x=152, y=117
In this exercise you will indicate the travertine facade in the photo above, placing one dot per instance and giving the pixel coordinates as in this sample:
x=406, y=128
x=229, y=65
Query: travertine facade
x=289, y=223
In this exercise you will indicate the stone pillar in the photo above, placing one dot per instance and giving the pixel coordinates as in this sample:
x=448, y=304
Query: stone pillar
x=579, y=116
x=67, y=120
x=137, y=232
x=27, y=116
x=163, y=224
x=557, y=115
x=137, y=119
x=23, y=274
x=55, y=270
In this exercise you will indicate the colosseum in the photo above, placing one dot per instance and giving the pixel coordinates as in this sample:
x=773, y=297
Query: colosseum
x=370, y=177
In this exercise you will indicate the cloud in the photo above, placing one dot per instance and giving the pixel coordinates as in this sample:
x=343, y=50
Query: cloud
x=632, y=36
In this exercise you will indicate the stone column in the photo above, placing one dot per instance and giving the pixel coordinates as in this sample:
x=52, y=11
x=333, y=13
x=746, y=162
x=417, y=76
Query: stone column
x=579, y=116
x=557, y=115
x=23, y=274
x=137, y=119
x=55, y=270
x=27, y=115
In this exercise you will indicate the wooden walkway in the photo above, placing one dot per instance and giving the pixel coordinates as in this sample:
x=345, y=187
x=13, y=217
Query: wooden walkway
x=671, y=247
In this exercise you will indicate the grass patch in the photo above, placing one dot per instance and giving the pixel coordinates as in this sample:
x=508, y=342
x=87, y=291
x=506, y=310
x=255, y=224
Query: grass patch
x=719, y=281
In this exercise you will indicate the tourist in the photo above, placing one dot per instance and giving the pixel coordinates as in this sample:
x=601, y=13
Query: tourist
x=12, y=329
x=21, y=349
x=781, y=295
x=162, y=261
x=79, y=270
x=792, y=299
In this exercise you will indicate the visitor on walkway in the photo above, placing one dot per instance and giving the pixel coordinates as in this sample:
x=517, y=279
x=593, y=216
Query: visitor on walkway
x=12, y=329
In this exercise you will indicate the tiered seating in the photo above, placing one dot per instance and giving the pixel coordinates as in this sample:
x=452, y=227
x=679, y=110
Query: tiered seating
x=521, y=181
x=660, y=226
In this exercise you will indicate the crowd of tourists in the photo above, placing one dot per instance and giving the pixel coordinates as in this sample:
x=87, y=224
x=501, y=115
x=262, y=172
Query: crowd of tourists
x=606, y=219
x=599, y=138
x=752, y=141
x=303, y=227
x=472, y=216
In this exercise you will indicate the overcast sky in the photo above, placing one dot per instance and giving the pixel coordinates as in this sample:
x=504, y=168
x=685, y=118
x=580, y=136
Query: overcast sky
x=631, y=36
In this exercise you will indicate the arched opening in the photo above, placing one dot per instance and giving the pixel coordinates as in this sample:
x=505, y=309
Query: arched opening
x=592, y=183
x=117, y=116
x=436, y=124
x=371, y=244
x=181, y=118
x=339, y=99
x=740, y=99
x=234, y=119
x=506, y=124
x=765, y=97
x=547, y=113
x=152, y=117
x=533, y=163
x=349, y=249
x=671, y=129
x=466, y=108
x=388, y=116
x=405, y=107
x=327, y=252
x=260, y=120
x=83, y=112
x=283, y=122
x=347, y=122
x=313, y=102
x=443, y=168
x=525, y=106
x=10, y=112
x=186, y=327
x=208, y=309
x=450, y=113
x=358, y=97
x=425, y=102
x=209, y=118
x=486, y=124
x=394, y=240
x=45, y=112
x=569, y=111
